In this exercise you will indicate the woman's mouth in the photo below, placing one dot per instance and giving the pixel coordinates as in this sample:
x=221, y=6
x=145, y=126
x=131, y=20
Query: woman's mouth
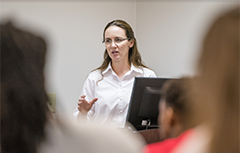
x=114, y=52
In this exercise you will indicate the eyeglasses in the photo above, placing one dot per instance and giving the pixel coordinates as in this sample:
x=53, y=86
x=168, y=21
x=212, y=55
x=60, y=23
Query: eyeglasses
x=117, y=41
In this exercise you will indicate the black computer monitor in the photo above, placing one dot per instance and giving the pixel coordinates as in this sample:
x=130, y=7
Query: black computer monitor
x=143, y=107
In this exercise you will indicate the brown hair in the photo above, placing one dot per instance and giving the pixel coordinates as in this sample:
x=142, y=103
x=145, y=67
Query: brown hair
x=23, y=98
x=175, y=92
x=134, y=56
x=217, y=86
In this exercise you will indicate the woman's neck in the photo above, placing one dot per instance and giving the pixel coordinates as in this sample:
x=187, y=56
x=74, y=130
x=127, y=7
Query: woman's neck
x=121, y=68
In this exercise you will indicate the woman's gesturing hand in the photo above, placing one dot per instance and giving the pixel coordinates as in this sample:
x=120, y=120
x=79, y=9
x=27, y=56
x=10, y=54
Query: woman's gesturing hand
x=84, y=106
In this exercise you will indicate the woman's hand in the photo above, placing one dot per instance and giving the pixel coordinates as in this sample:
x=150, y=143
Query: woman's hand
x=84, y=106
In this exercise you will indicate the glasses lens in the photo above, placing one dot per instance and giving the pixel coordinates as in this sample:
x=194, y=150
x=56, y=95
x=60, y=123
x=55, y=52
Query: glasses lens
x=107, y=41
x=116, y=41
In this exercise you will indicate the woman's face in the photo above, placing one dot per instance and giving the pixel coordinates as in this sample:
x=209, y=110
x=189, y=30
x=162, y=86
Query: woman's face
x=117, y=44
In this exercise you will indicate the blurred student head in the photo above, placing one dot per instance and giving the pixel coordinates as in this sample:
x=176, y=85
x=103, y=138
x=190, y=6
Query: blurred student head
x=174, y=108
x=217, y=85
x=24, y=112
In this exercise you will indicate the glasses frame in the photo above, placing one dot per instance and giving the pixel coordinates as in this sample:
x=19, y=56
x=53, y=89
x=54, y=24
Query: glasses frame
x=114, y=41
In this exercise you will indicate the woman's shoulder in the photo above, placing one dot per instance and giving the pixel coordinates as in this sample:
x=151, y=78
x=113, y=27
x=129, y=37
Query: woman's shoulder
x=94, y=74
x=148, y=72
x=146, y=69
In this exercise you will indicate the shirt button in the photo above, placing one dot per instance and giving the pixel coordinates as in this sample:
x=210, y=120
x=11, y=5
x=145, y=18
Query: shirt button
x=121, y=99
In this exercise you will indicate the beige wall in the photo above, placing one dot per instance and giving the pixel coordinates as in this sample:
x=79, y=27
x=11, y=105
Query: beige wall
x=168, y=33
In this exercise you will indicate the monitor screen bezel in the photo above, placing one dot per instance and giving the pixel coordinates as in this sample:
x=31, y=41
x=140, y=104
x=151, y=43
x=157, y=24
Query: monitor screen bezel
x=136, y=98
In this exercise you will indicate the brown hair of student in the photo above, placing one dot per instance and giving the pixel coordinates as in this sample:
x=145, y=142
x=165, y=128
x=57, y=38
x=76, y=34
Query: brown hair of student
x=217, y=86
x=24, y=111
x=176, y=93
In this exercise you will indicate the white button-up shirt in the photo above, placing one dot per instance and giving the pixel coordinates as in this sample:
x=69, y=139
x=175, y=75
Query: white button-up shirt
x=113, y=94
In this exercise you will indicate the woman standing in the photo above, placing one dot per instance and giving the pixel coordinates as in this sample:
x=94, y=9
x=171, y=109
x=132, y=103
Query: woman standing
x=111, y=83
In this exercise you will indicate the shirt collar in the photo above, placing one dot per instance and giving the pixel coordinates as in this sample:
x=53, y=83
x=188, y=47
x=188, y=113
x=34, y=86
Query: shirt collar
x=133, y=68
x=108, y=68
x=138, y=70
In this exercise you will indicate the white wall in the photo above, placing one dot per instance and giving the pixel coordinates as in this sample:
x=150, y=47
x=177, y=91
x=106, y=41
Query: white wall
x=168, y=33
x=74, y=31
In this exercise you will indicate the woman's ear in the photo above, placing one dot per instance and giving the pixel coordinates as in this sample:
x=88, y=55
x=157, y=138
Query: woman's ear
x=166, y=122
x=175, y=127
x=170, y=117
x=131, y=43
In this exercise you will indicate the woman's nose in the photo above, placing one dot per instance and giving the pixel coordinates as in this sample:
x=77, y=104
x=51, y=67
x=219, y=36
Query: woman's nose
x=113, y=44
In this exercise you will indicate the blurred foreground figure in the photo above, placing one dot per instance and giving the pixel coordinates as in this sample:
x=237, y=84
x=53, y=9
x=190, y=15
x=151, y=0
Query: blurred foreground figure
x=26, y=123
x=216, y=90
x=175, y=112
x=215, y=94
x=174, y=108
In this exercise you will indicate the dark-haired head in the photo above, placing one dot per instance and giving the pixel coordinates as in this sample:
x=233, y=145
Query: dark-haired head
x=174, y=108
x=23, y=98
